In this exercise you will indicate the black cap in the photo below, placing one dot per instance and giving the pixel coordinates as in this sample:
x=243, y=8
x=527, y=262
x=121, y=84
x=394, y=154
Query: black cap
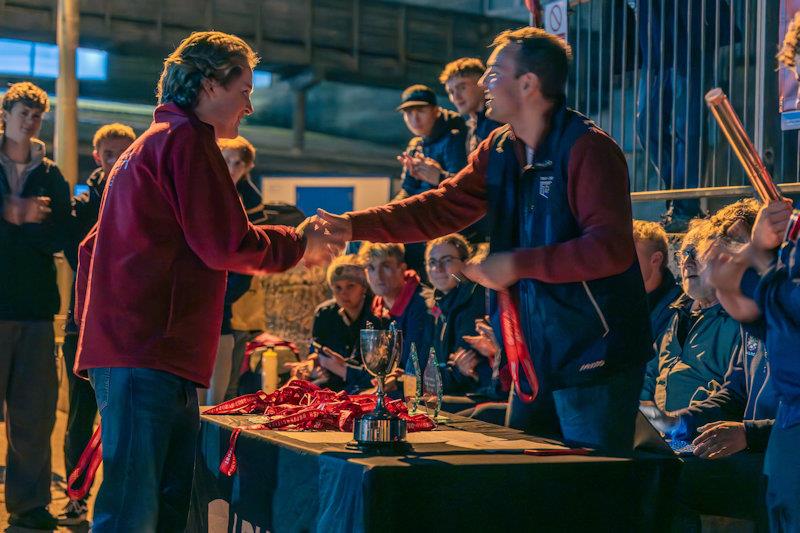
x=417, y=95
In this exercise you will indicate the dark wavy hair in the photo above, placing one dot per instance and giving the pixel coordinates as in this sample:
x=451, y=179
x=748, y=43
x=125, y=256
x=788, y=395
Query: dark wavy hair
x=203, y=54
x=544, y=54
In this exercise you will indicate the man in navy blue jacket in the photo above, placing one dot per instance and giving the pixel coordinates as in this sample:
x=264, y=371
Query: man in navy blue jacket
x=761, y=291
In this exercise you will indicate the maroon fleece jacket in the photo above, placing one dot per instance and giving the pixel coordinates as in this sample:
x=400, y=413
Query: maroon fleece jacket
x=151, y=274
x=598, y=197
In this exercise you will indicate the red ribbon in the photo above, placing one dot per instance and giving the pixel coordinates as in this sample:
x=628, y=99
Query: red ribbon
x=516, y=349
x=87, y=467
x=301, y=405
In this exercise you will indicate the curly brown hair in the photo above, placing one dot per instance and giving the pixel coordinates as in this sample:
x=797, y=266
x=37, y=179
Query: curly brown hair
x=202, y=55
x=29, y=94
x=464, y=66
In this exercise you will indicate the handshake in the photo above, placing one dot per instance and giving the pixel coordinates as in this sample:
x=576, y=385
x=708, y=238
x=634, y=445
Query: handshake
x=326, y=235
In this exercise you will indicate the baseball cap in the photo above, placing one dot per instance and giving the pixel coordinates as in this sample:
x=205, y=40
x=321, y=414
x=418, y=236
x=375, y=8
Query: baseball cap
x=417, y=95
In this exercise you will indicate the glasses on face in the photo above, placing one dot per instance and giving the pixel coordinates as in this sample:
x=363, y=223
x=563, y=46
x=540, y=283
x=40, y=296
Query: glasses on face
x=442, y=263
x=686, y=254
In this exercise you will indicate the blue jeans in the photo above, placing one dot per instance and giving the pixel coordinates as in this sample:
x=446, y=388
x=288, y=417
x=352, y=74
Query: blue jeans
x=150, y=423
x=601, y=416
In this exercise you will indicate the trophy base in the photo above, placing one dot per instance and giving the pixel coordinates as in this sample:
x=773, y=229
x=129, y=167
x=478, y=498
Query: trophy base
x=379, y=433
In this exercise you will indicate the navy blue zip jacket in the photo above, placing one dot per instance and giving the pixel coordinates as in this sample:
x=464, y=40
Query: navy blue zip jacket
x=565, y=219
x=778, y=297
x=660, y=302
x=447, y=144
x=747, y=395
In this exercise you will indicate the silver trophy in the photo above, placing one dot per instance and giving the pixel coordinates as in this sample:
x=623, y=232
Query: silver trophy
x=379, y=430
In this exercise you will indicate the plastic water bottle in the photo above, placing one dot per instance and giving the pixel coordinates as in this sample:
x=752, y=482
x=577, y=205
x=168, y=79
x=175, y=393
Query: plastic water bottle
x=269, y=369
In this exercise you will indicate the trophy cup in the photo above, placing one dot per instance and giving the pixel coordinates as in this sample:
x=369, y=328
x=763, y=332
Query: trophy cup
x=380, y=431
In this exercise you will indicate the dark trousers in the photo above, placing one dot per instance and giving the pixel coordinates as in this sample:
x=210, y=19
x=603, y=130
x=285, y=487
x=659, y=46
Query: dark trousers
x=782, y=467
x=82, y=408
x=732, y=486
x=600, y=416
x=29, y=387
x=656, y=135
x=150, y=423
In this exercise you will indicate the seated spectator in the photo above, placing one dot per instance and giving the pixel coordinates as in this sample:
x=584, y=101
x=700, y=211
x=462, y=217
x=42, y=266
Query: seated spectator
x=455, y=308
x=701, y=340
x=337, y=326
x=398, y=297
x=652, y=249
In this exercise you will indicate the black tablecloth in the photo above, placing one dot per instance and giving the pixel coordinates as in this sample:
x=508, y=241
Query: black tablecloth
x=283, y=484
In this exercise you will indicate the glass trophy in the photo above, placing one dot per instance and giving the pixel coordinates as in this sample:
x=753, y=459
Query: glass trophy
x=433, y=386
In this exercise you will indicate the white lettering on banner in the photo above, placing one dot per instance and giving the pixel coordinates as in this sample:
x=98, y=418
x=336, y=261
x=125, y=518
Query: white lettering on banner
x=555, y=18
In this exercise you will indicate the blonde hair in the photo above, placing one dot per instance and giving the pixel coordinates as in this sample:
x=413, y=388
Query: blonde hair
x=654, y=234
x=789, y=47
x=377, y=250
x=465, y=66
x=112, y=131
x=745, y=210
x=245, y=148
x=456, y=240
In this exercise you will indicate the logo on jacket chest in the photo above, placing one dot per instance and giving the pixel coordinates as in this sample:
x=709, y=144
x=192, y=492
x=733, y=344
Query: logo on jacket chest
x=545, y=182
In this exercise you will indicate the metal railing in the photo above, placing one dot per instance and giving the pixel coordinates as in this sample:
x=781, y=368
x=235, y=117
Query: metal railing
x=641, y=69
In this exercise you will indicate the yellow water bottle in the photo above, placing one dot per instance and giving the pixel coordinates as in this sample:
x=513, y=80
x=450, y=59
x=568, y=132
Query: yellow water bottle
x=269, y=369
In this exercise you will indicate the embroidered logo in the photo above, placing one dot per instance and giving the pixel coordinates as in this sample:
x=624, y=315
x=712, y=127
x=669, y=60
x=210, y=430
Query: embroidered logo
x=752, y=346
x=592, y=366
x=544, y=186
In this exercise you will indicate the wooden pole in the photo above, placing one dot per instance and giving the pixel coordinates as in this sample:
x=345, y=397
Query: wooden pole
x=65, y=142
x=66, y=120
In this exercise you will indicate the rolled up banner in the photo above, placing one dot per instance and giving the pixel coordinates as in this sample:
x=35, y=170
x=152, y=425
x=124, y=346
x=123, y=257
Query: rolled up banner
x=732, y=127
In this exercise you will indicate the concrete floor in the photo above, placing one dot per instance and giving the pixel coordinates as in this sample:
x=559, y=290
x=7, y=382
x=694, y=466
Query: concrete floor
x=59, y=482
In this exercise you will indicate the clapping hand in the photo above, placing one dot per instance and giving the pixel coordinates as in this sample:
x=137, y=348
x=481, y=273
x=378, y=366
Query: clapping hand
x=465, y=361
x=423, y=168
x=485, y=342
x=29, y=210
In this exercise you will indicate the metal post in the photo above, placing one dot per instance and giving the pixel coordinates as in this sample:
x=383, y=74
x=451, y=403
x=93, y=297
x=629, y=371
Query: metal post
x=758, y=90
x=66, y=120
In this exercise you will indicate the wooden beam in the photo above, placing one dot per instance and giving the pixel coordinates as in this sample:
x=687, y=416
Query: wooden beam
x=402, y=22
x=308, y=39
x=356, y=33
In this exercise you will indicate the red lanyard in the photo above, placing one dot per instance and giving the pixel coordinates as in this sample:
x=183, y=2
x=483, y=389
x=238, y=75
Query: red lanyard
x=88, y=464
x=515, y=347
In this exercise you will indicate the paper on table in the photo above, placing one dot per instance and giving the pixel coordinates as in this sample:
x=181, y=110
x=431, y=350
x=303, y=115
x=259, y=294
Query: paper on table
x=318, y=437
x=502, y=444
x=428, y=437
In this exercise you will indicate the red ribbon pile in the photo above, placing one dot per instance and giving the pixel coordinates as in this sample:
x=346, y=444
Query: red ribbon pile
x=301, y=405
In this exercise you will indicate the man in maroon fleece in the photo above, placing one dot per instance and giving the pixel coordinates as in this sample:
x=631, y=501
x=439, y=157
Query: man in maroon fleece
x=152, y=280
x=554, y=188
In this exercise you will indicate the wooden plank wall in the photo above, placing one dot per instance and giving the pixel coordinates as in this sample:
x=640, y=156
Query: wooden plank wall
x=359, y=41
